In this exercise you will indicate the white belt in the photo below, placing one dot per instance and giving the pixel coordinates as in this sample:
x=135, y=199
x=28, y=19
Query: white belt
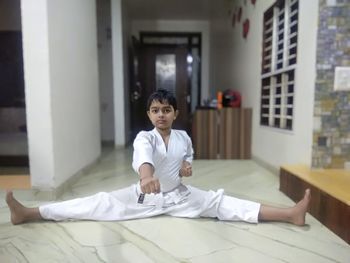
x=176, y=196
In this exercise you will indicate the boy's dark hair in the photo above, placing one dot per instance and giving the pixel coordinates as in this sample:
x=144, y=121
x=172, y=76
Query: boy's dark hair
x=163, y=96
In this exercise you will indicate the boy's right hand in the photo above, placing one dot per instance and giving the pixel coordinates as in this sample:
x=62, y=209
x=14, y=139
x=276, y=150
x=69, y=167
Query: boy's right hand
x=150, y=184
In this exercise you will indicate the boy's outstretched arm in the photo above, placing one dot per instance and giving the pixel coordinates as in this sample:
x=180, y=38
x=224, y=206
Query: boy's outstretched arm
x=148, y=182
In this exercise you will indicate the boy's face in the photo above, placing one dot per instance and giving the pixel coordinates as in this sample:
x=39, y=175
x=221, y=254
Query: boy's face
x=161, y=115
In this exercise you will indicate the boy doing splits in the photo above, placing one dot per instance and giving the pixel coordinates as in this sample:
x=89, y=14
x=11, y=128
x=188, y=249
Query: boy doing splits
x=161, y=157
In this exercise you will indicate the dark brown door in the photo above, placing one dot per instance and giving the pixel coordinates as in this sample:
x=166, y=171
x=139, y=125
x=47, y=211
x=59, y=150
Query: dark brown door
x=157, y=67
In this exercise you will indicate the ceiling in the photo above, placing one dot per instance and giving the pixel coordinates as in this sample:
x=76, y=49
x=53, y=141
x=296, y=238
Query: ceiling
x=177, y=9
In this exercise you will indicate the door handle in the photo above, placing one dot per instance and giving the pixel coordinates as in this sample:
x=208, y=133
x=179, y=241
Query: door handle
x=135, y=95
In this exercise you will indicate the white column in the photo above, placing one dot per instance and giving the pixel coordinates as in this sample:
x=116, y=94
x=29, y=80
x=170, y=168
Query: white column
x=118, y=76
x=61, y=84
x=37, y=90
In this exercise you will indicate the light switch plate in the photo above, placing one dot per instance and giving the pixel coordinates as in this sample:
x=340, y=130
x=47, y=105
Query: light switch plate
x=342, y=78
x=347, y=166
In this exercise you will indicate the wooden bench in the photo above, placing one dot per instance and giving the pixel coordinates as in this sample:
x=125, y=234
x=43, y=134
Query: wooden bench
x=330, y=194
x=15, y=182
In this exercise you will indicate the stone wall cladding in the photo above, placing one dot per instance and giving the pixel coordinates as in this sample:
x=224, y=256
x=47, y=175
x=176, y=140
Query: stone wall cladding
x=331, y=135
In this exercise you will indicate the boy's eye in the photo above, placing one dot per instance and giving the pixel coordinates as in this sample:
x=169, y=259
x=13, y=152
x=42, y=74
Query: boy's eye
x=154, y=110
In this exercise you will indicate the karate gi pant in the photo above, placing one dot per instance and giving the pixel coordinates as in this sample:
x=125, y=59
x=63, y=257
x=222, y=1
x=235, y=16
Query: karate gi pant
x=123, y=205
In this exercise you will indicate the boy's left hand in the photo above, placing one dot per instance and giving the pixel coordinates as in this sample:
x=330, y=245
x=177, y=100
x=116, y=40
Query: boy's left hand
x=186, y=169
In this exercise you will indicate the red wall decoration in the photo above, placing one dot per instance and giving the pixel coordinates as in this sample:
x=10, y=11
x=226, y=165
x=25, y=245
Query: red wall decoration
x=237, y=16
x=245, y=28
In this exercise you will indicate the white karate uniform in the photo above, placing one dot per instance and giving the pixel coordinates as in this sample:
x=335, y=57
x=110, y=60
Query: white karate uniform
x=175, y=198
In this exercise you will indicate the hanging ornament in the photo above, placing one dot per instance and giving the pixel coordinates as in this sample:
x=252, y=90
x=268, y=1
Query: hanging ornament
x=245, y=28
x=253, y=2
x=239, y=14
x=233, y=21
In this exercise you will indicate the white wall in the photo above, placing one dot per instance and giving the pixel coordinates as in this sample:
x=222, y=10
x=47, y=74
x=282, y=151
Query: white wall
x=182, y=26
x=273, y=146
x=221, y=49
x=105, y=69
x=61, y=80
x=115, y=124
x=126, y=28
x=119, y=83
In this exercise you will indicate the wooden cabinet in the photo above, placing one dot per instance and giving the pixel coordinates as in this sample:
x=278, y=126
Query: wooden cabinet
x=222, y=134
x=205, y=134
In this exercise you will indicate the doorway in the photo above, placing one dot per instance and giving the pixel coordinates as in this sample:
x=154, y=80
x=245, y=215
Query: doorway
x=168, y=61
x=13, y=127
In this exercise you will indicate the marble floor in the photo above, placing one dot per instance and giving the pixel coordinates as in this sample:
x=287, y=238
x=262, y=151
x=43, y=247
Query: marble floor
x=167, y=239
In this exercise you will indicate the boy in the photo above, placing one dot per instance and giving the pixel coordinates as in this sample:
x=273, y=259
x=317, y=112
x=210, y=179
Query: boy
x=161, y=157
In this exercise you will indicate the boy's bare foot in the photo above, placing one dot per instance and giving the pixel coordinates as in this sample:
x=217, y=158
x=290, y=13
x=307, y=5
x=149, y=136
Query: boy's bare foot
x=298, y=212
x=20, y=213
x=294, y=215
x=16, y=209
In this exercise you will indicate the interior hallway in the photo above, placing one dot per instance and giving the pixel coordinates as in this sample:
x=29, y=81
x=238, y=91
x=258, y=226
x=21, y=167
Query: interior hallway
x=167, y=239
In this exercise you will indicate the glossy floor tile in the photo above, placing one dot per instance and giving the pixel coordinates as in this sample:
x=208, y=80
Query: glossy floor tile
x=167, y=239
